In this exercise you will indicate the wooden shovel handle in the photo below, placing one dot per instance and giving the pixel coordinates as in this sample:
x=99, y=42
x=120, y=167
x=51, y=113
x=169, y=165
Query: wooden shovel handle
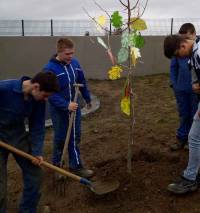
x=44, y=163
x=71, y=120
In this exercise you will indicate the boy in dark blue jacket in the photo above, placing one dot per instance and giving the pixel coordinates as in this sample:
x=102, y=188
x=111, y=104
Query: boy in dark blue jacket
x=68, y=72
x=20, y=99
x=186, y=99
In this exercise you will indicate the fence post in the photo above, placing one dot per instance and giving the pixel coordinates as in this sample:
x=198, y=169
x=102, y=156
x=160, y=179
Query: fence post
x=51, y=27
x=172, y=22
x=22, y=27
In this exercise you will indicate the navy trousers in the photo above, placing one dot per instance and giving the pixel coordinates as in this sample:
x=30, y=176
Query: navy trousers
x=187, y=104
x=32, y=178
x=60, y=120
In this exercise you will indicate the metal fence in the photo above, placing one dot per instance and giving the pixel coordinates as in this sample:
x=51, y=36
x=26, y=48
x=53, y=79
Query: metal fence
x=80, y=27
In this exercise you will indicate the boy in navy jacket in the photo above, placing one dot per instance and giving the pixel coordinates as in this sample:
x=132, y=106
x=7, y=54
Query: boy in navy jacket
x=20, y=99
x=68, y=72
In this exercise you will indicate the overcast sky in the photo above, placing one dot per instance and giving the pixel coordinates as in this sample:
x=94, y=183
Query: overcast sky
x=72, y=9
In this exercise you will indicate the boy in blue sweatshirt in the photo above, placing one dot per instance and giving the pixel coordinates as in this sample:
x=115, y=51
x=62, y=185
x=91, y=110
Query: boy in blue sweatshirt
x=186, y=99
x=24, y=99
x=68, y=72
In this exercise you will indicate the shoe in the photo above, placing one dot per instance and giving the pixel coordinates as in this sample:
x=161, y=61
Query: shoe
x=198, y=179
x=183, y=186
x=177, y=146
x=82, y=172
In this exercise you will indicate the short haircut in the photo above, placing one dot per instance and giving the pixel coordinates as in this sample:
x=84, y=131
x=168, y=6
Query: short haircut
x=171, y=44
x=64, y=43
x=47, y=80
x=187, y=28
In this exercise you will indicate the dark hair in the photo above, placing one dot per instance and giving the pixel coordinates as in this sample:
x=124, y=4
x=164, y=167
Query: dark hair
x=64, y=43
x=171, y=44
x=47, y=80
x=187, y=28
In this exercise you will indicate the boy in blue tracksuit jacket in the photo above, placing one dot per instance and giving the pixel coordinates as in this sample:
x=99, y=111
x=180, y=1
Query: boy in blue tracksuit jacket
x=68, y=72
x=20, y=99
x=186, y=99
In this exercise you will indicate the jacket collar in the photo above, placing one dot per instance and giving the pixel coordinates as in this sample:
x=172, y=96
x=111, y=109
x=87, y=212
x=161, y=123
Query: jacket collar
x=53, y=59
x=18, y=84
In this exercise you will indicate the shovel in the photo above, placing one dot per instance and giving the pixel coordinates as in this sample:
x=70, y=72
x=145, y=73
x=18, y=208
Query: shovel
x=59, y=180
x=71, y=120
x=98, y=187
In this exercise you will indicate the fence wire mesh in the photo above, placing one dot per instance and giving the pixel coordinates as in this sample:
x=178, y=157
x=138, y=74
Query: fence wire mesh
x=82, y=27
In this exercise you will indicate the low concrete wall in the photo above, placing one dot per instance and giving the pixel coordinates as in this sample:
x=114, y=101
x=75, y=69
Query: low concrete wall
x=27, y=55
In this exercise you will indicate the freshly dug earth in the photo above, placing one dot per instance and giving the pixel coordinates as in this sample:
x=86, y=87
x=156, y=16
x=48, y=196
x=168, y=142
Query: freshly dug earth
x=105, y=134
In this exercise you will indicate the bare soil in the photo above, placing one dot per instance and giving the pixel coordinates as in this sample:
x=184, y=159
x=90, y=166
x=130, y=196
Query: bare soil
x=105, y=134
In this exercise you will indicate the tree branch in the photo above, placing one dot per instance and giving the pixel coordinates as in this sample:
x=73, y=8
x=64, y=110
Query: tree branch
x=144, y=7
x=135, y=5
x=101, y=8
x=123, y=4
x=93, y=19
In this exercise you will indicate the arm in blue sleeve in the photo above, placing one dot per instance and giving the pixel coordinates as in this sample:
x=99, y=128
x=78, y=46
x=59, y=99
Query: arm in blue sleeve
x=4, y=85
x=174, y=72
x=58, y=101
x=84, y=90
x=37, y=128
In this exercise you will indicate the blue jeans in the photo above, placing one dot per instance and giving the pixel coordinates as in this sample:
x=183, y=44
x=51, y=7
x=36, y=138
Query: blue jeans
x=60, y=120
x=194, y=149
x=32, y=178
x=187, y=106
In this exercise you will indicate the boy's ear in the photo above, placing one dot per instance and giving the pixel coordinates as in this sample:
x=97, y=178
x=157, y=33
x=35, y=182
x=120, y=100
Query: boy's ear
x=36, y=86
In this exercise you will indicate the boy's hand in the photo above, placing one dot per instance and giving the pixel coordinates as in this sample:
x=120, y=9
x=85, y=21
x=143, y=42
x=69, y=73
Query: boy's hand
x=38, y=160
x=196, y=88
x=73, y=106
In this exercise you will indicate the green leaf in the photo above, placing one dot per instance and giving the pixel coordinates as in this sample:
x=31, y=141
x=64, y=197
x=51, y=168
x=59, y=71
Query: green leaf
x=122, y=55
x=125, y=40
x=136, y=40
x=138, y=24
x=116, y=19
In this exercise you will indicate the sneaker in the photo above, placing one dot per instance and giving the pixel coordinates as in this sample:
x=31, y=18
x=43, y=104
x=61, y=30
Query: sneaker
x=177, y=146
x=82, y=172
x=183, y=186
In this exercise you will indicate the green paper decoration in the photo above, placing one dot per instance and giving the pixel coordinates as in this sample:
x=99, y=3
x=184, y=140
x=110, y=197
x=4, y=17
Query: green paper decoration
x=116, y=19
x=136, y=40
x=122, y=55
x=132, y=40
x=125, y=40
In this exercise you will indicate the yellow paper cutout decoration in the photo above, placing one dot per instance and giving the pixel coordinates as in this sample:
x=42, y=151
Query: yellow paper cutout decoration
x=101, y=20
x=135, y=54
x=125, y=105
x=138, y=24
x=115, y=72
